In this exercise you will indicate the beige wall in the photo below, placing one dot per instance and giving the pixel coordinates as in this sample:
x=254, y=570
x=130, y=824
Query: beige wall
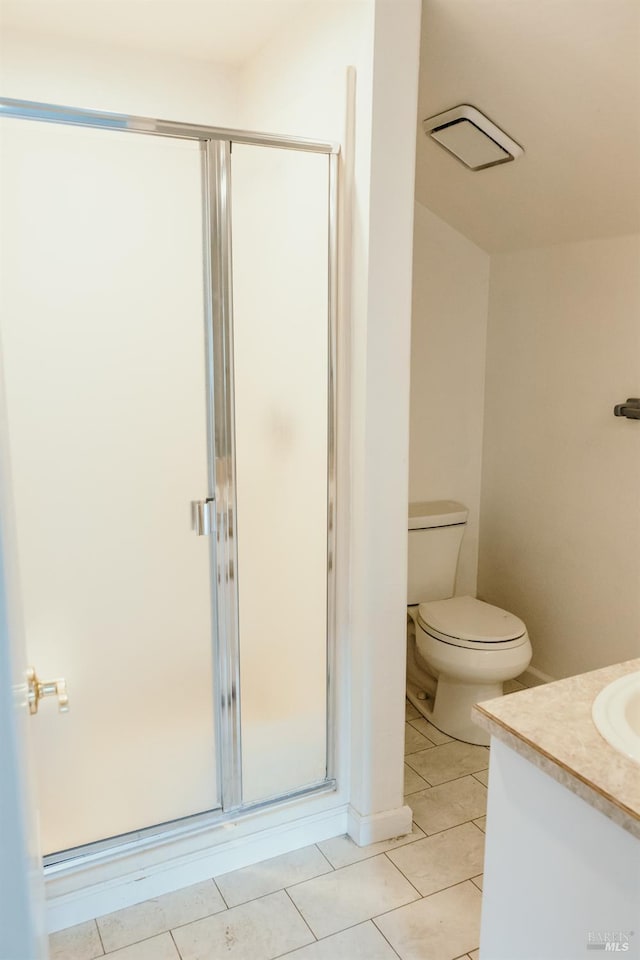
x=560, y=513
x=450, y=299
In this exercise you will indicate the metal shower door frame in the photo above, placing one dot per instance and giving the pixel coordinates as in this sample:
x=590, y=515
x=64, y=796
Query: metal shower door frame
x=216, y=145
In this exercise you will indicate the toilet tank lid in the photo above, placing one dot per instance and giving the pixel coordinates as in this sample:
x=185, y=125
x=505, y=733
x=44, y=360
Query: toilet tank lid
x=436, y=513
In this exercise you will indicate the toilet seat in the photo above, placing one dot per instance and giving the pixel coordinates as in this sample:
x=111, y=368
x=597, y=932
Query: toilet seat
x=470, y=623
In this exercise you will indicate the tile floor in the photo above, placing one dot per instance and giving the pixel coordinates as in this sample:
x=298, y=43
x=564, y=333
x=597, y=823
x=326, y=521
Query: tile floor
x=415, y=897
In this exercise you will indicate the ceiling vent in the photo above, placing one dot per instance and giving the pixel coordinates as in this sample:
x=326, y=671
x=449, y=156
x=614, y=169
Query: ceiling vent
x=472, y=138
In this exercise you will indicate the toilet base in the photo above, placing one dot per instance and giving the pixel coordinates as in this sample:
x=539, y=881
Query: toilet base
x=452, y=715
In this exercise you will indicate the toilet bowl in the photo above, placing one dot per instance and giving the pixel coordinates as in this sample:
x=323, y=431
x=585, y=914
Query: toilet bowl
x=460, y=650
x=469, y=648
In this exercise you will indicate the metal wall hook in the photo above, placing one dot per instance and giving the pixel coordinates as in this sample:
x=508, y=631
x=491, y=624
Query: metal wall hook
x=630, y=409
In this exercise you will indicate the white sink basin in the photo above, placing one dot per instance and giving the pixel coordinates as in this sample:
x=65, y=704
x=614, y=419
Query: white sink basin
x=616, y=714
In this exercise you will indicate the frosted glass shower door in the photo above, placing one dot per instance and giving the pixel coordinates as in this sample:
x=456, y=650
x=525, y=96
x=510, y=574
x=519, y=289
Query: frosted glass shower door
x=104, y=361
x=280, y=319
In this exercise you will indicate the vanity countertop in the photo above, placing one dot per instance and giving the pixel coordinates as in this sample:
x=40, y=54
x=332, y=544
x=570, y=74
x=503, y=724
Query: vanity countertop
x=551, y=726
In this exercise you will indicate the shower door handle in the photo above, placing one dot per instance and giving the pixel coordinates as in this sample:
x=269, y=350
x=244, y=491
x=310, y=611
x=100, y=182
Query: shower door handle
x=203, y=517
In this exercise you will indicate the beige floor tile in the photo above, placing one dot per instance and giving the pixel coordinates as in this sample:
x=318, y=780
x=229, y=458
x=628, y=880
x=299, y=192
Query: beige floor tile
x=159, y=914
x=410, y=712
x=271, y=875
x=364, y=942
x=483, y=777
x=342, y=851
x=414, y=740
x=413, y=781
x=481, y=822
x=353, y=894
x=156, y=948
x=448, y=761
x=478, y=881
x=475, y=955
x=512, y=686
x=428, y=730
x=448, y=805
x=440, y=927
x=530, y=680
x=76, y=943
x=442, y=860
x=259, y=930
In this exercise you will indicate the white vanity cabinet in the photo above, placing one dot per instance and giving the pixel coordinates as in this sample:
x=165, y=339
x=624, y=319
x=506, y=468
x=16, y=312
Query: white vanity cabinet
x=562, y=861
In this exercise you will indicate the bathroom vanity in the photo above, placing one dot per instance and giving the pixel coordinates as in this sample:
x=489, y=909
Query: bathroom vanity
x=562, y=866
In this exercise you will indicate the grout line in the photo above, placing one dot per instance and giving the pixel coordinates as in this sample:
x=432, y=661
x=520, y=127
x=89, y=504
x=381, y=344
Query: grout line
x=406, y=878
x=376, y=853
x=285, y=886
x=176, y=926
x=351, y=926
x=385, y=938
x=480, y=781
x=450, y=740
x=432, y=786
x=100, y=936
x=449, y=885
x=324, y=857
x=213, y=881
x=437, y=833
x=428, y=896
x=301, y=915
x=442, y=782
x=479, y=829
x=175, y=944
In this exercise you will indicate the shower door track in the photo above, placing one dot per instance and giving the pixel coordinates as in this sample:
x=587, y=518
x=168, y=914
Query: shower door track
x=216, y=144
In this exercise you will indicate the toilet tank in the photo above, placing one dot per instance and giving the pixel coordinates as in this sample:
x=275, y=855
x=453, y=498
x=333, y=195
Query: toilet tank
x=436, y=528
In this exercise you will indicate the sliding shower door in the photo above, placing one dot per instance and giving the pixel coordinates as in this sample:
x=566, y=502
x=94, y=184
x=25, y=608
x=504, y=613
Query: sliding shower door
x=104, y=361
x=281, y=349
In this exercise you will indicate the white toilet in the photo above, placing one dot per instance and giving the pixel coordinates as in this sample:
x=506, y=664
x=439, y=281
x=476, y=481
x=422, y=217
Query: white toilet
x=459, y=650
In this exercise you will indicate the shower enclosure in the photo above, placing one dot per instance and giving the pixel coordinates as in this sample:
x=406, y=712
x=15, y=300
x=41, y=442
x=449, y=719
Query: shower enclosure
x=168, y=313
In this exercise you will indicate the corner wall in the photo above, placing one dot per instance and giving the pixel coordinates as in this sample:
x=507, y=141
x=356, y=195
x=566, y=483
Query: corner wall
x=448, y=340
x=560, y=529
x=298, y=84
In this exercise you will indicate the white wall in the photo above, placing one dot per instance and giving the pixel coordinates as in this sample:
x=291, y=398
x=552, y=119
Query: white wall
x=448, y=339
x=297, y=85
x=560, y=514
x=76, y=74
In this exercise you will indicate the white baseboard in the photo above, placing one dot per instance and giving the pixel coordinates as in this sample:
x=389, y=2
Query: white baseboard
x=89, y=890
x=379, y=826
x=532, y=677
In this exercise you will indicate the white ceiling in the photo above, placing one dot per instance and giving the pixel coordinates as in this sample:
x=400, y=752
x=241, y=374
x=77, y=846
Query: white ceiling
x=223, y=31
x=562, y=78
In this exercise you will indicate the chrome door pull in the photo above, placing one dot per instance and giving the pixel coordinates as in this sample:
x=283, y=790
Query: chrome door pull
x=203, y=517
x=37, y=689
